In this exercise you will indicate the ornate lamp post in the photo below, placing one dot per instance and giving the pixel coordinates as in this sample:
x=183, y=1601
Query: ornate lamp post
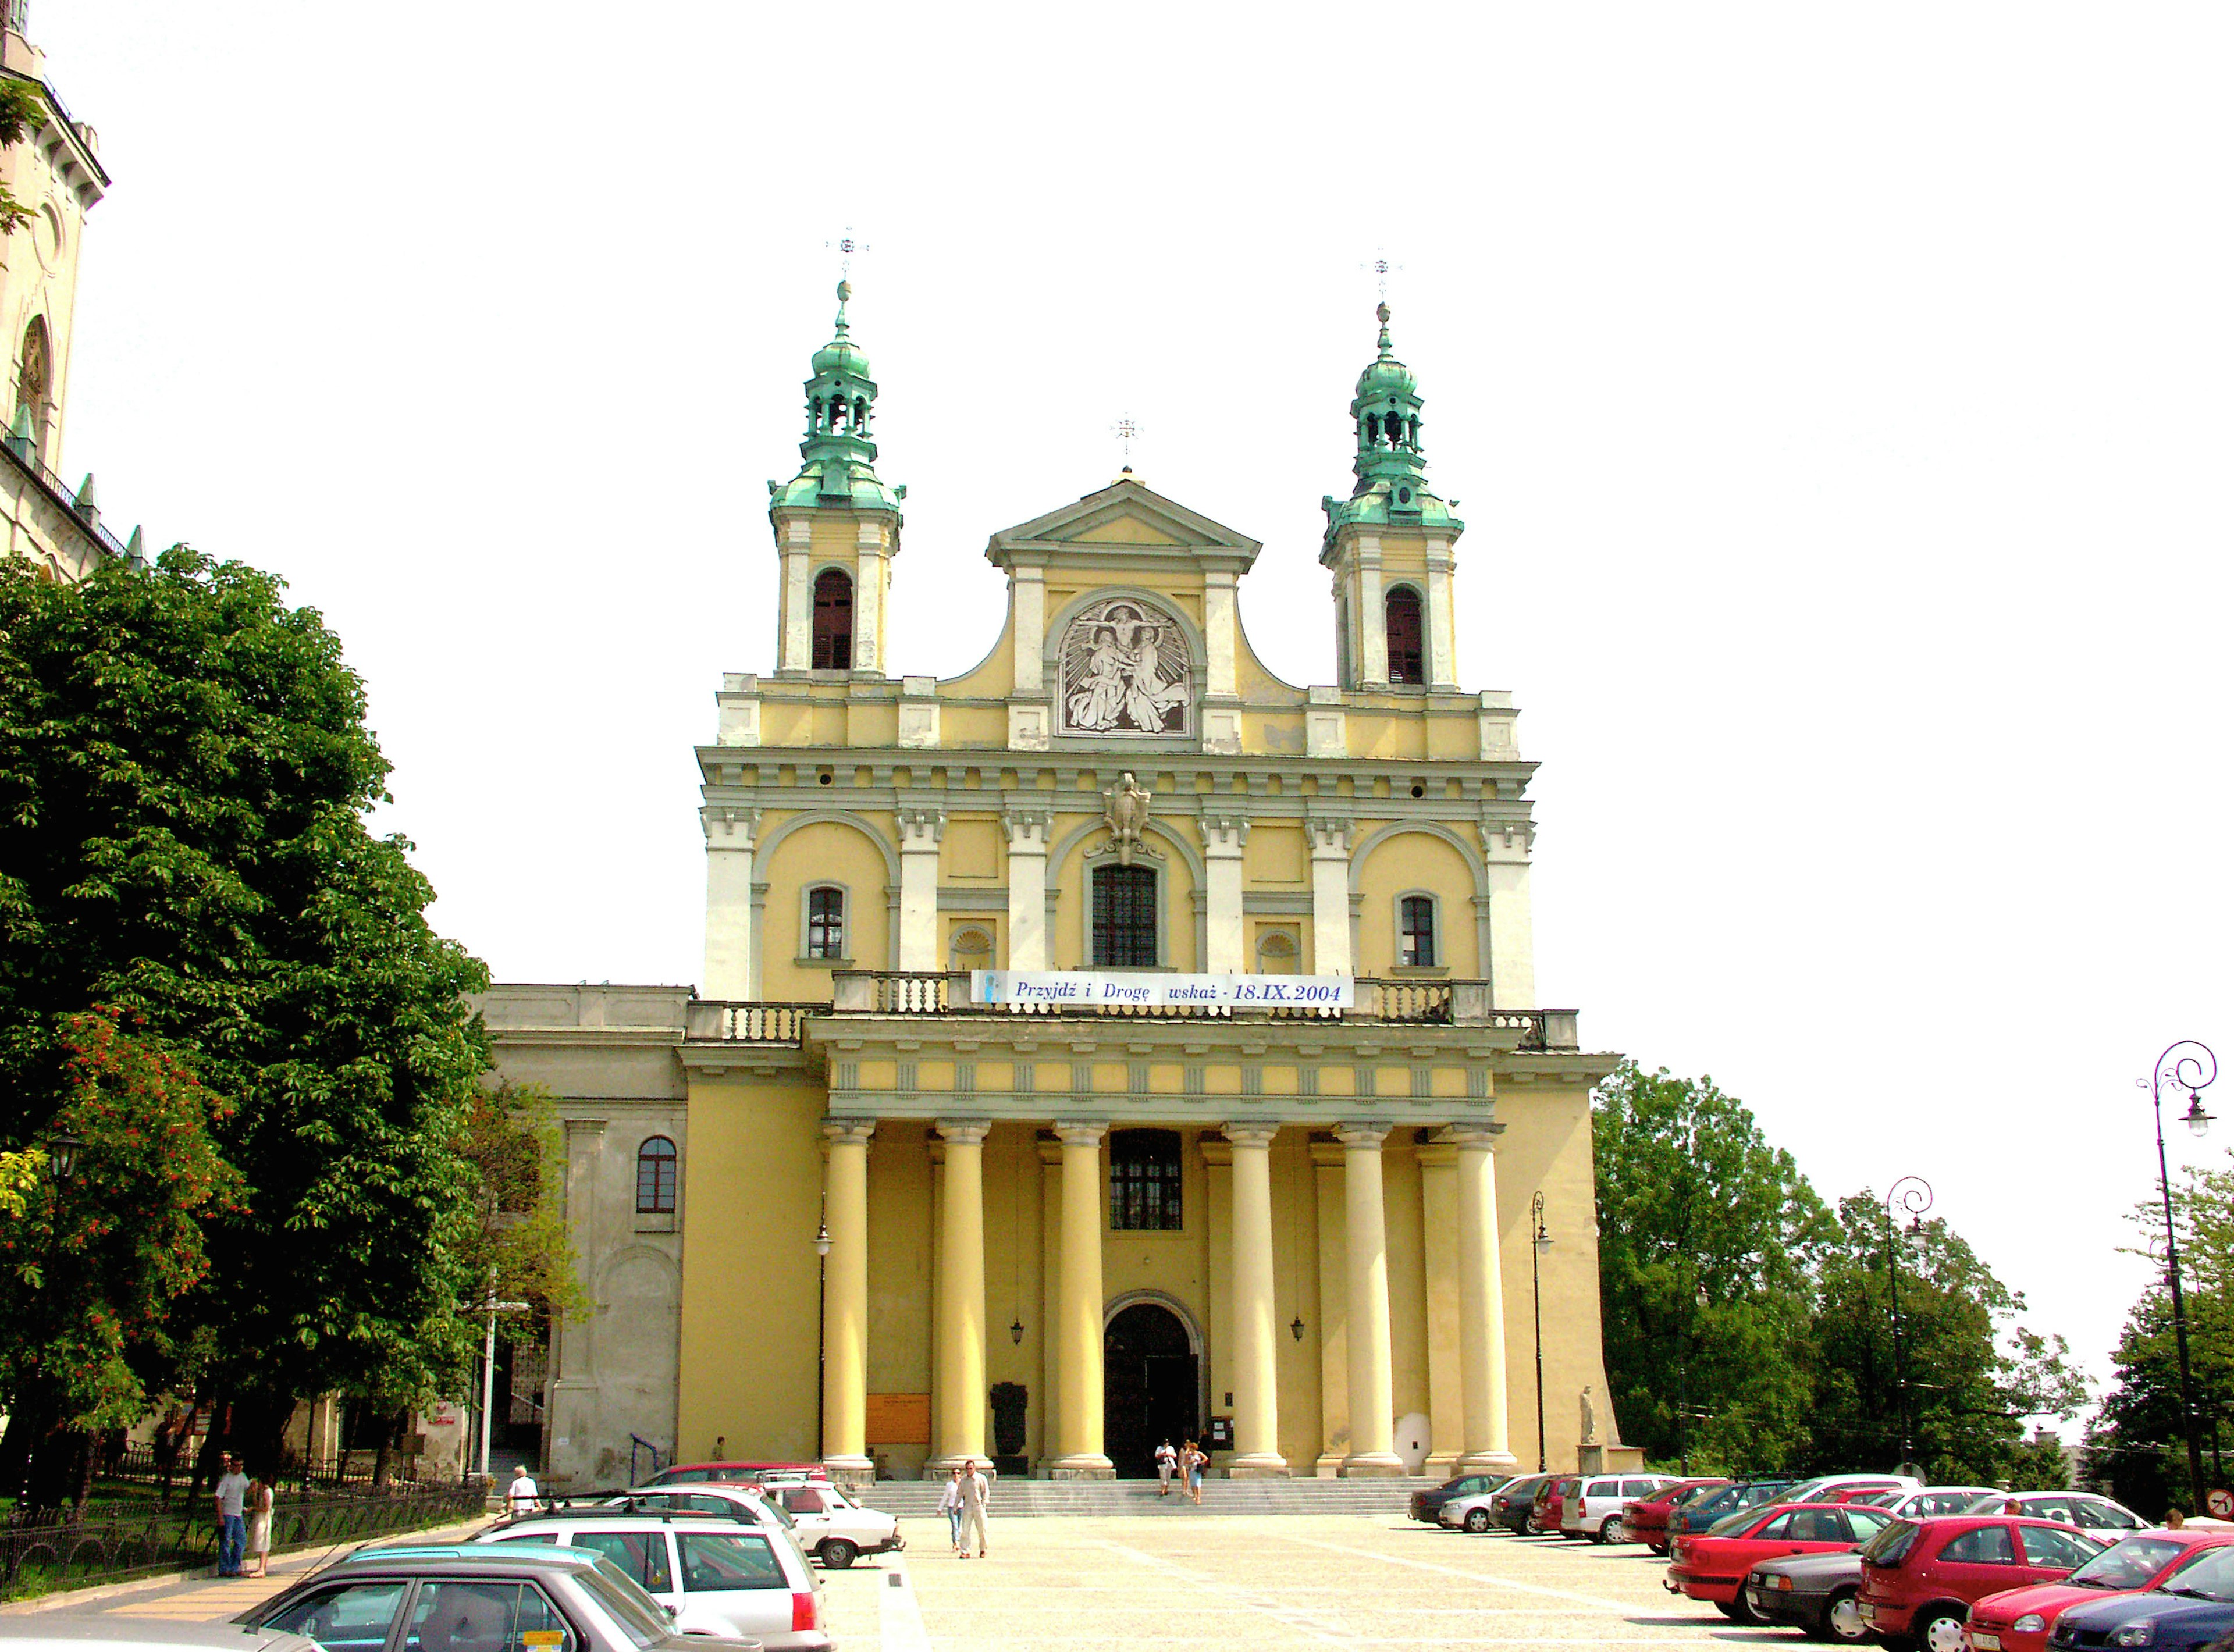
x=2191, y=1067
x=821, y=1318
x=1539, y=1243
x=1912, y=1194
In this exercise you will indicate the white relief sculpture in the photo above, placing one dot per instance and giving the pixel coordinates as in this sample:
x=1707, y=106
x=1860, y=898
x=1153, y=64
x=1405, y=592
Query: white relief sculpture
x=1124, y=670
x=1126, y=810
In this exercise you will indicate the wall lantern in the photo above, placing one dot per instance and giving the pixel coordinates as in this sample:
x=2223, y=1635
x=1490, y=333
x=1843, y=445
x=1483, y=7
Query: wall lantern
x=1296, y=1328
x=1017, y=1330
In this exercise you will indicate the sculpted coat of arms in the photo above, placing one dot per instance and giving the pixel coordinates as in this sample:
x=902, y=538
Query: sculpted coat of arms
x=1126, y=670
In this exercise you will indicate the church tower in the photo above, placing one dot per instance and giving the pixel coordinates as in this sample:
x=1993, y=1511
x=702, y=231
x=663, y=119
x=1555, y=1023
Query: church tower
x=1388, y=545
x=837, y=526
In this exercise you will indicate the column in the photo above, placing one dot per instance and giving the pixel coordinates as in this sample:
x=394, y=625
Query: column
x=795, y=647
x=1438, y=1162
x=1512, y=969
x=1442, y=667
x=921, y=830
x=1334, y=1316
x=1078, y=1332
x=1481, y=1302
x=1222, y=837
x=1329, y=841
x=959, y=1425
x=730, y=836
x=1028, y=853
x=1047, y=1399
x=1373, y=615
x=1257, y=1376
x=846, y=1300
x=1372, y=1382
x=871, y=574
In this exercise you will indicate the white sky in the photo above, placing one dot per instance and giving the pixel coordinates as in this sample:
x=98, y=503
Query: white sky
x=1837, y=398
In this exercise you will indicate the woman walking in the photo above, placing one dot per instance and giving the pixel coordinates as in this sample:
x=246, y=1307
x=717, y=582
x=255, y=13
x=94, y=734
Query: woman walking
x=950, y=1505
x=259, y=1525
x=1194, y=1459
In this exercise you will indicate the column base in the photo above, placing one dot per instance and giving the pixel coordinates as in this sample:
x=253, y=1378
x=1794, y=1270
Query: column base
x=1257, y=1466
x=1328, y=1466
x=1085, y=1467
x=938, y=1468
x=853, y=1473
x=1372, y=1466
x=1440, y=1465
x=1487, y=1462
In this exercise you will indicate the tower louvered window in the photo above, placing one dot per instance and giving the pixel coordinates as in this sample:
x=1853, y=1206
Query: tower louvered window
x=1124, y=917
x=833, y=621
x=1404, y=634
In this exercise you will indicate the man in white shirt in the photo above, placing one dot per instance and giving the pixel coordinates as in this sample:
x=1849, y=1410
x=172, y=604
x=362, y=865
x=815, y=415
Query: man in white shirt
x=973, y=1508
x=1166, y=1460
x=232, y=1492
x=520, y=1496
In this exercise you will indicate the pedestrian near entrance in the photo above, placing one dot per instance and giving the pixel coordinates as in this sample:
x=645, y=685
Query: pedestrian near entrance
x=1191, y=1462
x=520, y=1496
x=1166, y=1460
x=231, y=1493
x=973, y=1509
x=260, y=1526
x=950, y=1505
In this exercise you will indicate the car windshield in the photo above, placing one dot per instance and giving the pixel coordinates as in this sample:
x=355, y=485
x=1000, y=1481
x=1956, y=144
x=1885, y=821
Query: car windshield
x=1732, y=1523
x=1890, y=1545
x=642, y=1619
x=2126, y=1564
x=2209, y=1575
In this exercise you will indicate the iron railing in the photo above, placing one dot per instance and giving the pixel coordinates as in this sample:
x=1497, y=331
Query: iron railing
x=25, y=455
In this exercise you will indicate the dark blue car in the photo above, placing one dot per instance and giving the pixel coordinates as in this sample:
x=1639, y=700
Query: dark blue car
x=2190, y=1609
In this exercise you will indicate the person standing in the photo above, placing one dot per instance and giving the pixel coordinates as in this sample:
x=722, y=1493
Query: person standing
x=520, y=1496
x=950, y=1505
x=1196, y=1458
x=1166, y=1460
x=973, y=1508
x=720, y=1448
x=231, y=1493
x=259, y=1525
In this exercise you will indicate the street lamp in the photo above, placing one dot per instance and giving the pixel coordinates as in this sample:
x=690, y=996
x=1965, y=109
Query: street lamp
x=1684, y=1387
x=821, y=1320
x=493, y=1307
x=1912, y=1194
x=1539, y=1243
x=62, y=1154
x=2191, y=1073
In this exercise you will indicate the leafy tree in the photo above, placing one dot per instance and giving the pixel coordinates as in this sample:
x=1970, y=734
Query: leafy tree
x=185, y=778
x=19, y=1175
x=22, y=108
x=1692, y=1198
x=515, y=1144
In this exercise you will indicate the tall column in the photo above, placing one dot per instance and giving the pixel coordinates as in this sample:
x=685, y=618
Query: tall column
x=921, y=830
x=1372, y=1381
x=960, y=1423
x=1050, y=1402
x=1027, y=852
x=1329, y=841
x=1257, y=1375
x=730, y=836
x=1438, y=1161
x=846, y=1300
x=1078, y=1359
x=1222, y=837
x=1333, y=1311
x=1481, y=1302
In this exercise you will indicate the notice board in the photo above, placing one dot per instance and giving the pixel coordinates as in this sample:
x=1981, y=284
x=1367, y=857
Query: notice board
x=898, y=1420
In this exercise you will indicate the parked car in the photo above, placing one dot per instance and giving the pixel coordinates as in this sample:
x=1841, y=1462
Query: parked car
x=756, y=1577
x=1932, y=1502
x=461, y=1597
x=2193, y=1607
x=1715, y=1563
x=1551, y=1504
x=1919, y=1576
x=2020, y=1620
x=833, y=1527
x=1427, y=1505
x=1813, y=1594
x=2098, y=1516
x=1844, y=1488
x=1713, y=1566
x=1701, y=1514
x=750, y=1502
x=1594, y=1508
x=1514, y=1503
x=1647, y=1518
x=696, y=1473
x=68, y=1631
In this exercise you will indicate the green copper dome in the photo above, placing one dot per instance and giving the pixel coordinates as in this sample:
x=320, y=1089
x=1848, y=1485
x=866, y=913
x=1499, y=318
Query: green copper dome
x=1385, y=375
x=1391, y=467
x=839, y=467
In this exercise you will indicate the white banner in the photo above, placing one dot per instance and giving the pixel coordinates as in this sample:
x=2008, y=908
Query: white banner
x=1058, y=989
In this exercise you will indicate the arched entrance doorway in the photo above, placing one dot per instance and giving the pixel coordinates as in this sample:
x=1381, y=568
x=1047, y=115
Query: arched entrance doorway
x=1150, y=1386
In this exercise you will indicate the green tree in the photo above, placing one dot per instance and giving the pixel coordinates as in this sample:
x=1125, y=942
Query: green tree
x=22, y=108
x=1691, y=1198
x=185, y=782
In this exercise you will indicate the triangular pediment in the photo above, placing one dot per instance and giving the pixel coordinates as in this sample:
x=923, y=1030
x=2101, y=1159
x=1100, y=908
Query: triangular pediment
x=1127, y=517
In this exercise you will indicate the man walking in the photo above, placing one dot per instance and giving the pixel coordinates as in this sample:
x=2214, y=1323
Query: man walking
x=973, y=1508
x=1166, y=1460
x=232, y=1494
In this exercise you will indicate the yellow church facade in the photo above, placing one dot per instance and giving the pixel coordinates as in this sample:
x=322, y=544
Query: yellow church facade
x=1111, y=1043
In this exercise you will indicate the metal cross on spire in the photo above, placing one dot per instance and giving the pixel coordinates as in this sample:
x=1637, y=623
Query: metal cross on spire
x=845, y=246
x=1381, y=266
x=1125, y=430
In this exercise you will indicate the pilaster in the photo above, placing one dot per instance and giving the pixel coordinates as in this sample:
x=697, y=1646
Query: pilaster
x=1027, y=828
x=1329, y=840
x=1224, y=836
x=922, y=830
x=731, y=933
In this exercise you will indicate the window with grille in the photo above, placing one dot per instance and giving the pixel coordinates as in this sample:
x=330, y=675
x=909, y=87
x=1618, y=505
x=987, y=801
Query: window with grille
x=1144, y=1180
x=1416, y=916
x=1404, y=633
x=833, y=621
x=1124, y=917
x=655, y=1176
x=825, y=922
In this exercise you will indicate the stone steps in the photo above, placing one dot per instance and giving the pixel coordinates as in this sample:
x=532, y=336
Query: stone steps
x=919, y=1499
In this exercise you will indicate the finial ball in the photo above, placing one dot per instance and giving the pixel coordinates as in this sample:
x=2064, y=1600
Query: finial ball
x=844, y=291
x=1381, y=310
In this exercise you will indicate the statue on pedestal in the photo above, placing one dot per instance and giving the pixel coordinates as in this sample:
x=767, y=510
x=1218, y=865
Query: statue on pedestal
x=1589, y=1418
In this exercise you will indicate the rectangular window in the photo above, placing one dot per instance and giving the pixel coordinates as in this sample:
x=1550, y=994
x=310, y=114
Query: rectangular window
x=719, y=1560
x=642, y=1555
x=826, y=924
x=1418, y=948
x=1145, y=1179
x=1124, y=917
x=496, y=1616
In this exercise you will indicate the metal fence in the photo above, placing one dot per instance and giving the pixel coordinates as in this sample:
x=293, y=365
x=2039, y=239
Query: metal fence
x=38, y=1556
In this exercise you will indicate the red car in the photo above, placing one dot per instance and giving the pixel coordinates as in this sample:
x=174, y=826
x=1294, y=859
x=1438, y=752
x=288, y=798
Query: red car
x=1713, y=1565
x=1551, y=1503
x=745, y=1474
x=1647, y=1518
x=2020, y=1620
x=1919, y=1576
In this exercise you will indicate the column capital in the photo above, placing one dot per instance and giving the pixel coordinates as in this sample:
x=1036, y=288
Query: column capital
x=1073, y=1132
x=1483, y=1135
x=965, y=1133
x=1224, y=832
x=730, y=827
x=848, y=1132
x=1251, y=1133
x=1361, y=1135
x=1327, y=835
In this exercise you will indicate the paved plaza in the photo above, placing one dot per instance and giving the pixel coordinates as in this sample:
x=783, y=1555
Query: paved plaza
x=1235, y=1583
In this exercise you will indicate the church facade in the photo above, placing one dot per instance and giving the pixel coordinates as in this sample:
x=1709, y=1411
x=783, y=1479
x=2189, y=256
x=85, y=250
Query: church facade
x=1110, y=1044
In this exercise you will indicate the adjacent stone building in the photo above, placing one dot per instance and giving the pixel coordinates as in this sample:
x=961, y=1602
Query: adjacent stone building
x=1112, y=1041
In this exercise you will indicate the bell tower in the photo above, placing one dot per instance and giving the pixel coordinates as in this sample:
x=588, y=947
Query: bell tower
x=1388, y=545
x=837, y=526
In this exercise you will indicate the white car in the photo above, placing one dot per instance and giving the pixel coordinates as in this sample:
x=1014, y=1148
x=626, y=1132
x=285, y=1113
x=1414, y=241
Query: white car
x=704, y=1568
x=1923, y=1505
x=2098, y=1516
x=829, y=1524
x=1828, y=1487
x=1469, y=1513
x=69, y=1631
x=1593, y=1509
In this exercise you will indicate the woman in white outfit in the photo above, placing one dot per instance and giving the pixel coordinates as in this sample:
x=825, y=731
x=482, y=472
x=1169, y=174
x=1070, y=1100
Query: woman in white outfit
x=950, y=1505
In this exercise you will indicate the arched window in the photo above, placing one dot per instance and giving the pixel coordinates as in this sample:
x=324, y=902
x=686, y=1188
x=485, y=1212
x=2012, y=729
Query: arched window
x=1144, y=1180
x=1277, y=952
x=655, y=1176
x=971, y=948
x=1415, y=937
x=34, y=375
x=1404, y=634
x=1124, y=917
x=833, y=621
x=826, y=922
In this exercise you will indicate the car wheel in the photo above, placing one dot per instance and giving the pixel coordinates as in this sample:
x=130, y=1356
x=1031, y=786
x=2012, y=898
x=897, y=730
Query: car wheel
x=1531, y=1528
x=1614, y=1530
x=1476, y=1519
x=1939, y=1629
x=836, y=1553
x=1842, y=1620
x=1737, y=1610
